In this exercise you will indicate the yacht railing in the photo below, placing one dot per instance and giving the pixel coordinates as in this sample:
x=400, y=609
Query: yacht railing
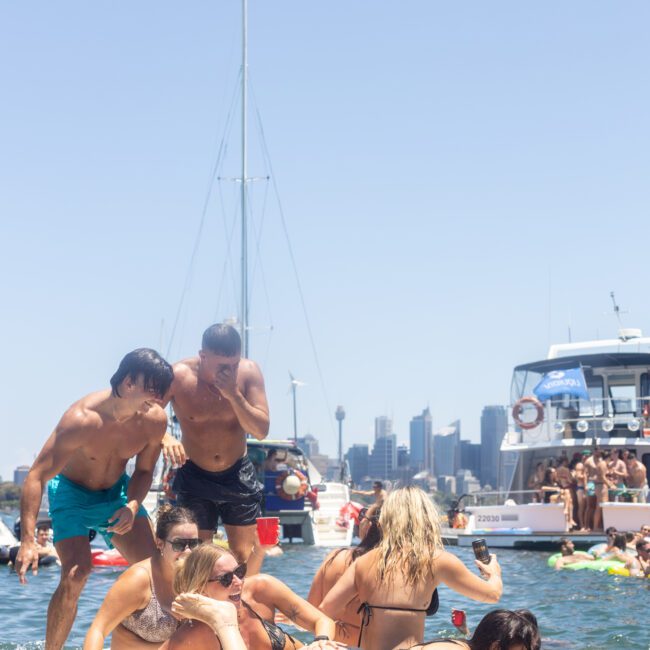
x=523, y=497
x=581, y=419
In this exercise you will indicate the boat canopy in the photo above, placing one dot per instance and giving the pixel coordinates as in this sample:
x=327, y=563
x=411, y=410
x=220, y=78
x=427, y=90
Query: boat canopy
x=607, y=360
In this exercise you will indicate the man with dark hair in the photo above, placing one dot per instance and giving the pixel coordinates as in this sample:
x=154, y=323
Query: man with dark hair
x=637, y=478
x=643, y=559
x=377, y=492
x=218, y=398
x=84, y=461
x=570, y=555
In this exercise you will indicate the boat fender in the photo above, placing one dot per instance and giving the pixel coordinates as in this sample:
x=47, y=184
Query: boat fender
x=291, y=485
x=518, y=408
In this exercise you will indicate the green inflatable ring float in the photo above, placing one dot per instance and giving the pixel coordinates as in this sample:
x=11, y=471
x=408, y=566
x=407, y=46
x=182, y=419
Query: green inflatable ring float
x=591, y=565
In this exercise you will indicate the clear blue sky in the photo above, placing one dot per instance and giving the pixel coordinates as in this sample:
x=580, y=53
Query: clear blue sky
x=460, y=182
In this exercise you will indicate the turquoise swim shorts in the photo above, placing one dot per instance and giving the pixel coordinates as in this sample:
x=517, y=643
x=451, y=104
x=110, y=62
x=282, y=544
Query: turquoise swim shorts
x=75, y=509
x=591, y=489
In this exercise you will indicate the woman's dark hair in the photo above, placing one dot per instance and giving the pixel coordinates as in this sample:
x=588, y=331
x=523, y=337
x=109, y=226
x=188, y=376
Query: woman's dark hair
x=170, y=516
x=222, y=339
x=371, y=538
x=505, y=628
x=619, y=541
x=548, y=476
x=157, y=373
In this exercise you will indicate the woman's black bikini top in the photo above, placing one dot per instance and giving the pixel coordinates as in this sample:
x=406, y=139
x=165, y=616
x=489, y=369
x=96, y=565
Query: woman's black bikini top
x=277, y=636
x=367, y=608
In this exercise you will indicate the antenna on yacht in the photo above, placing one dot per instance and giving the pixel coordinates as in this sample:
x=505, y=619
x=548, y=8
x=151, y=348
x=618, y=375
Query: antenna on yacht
x=292, y=387
x=617, y=309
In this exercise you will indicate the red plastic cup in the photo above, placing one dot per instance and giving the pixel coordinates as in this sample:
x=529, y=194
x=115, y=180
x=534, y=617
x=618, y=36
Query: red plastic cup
x=458, y=618
x=268, y=530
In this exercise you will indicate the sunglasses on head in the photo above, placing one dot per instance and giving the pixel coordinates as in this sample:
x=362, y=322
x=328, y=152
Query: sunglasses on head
x=225, y=579
x=179, y=545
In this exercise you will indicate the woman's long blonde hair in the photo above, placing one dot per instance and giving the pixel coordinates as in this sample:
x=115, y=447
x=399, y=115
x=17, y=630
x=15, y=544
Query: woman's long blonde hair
x=194, y=571
x=411, y=538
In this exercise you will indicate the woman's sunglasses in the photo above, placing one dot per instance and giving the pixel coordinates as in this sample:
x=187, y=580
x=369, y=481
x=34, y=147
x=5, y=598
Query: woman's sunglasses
x=225, y=579
x=179, y=545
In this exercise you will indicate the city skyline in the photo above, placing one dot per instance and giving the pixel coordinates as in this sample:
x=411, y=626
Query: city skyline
x=395, y=267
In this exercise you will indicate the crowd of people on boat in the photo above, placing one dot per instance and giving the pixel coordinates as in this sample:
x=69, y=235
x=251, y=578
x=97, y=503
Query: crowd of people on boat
x=588, y=479
x=184, y=590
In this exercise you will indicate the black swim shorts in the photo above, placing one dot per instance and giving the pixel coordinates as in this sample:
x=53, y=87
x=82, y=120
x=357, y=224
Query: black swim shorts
x=234, y=495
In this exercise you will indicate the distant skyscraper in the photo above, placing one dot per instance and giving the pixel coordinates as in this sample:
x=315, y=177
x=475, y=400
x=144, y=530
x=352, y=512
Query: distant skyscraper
x=466, y=483
x=383, y=460
x=421, y=441
x=446, y=484
x=403, y=457
x=383, y=426
x=470, y=456
x=446, y=450
x=494, y=424
x=358, y=457
x=309, y=445
x=20, y=474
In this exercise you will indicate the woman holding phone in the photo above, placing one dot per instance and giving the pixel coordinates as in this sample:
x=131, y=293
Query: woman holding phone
x=396, y=582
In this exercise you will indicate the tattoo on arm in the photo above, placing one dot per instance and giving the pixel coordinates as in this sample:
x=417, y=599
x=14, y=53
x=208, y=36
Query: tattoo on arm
x=293, y=614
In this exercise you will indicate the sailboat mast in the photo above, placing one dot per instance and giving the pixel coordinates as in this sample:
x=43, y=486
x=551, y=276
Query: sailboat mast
x=244, y=222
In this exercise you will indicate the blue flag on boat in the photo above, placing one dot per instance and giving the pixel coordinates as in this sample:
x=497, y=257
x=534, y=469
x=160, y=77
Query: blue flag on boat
x=562, y=382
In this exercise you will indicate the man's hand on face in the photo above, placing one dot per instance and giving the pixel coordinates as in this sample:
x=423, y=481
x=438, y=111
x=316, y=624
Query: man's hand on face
x=121, y=521
x=226, y=382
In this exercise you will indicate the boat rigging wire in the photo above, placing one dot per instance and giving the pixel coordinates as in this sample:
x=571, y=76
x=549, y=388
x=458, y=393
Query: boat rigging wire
x=294, y=267
x=190, y=271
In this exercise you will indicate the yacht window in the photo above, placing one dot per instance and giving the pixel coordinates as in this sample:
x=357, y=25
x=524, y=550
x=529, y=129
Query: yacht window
x=645, y=390
x=622, y=390
x=523, y=382
x=596, y=394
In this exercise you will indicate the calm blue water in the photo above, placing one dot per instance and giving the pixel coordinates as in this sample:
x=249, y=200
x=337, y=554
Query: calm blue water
x=581, y=609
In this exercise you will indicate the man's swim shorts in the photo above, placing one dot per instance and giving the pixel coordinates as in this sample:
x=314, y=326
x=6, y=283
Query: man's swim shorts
x=75, y=509
x=234, y=495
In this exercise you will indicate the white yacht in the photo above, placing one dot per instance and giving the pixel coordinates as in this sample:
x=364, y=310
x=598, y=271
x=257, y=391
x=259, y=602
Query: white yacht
x=612, y=413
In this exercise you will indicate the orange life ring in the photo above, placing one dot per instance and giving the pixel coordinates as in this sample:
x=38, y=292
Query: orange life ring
x=302, y=490
x=519, y=407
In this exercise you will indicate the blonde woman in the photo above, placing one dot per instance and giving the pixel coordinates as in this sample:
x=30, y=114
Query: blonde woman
x=214, y=572
x=396, y=581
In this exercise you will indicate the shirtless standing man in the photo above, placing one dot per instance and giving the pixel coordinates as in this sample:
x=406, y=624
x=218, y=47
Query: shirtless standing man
x=84, y=461
x=377, y=492
x=597, y=474
x=637, y=477
x=218, y=398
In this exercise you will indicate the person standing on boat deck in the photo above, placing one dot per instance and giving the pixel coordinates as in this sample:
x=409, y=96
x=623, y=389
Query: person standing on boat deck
x=218, y=398
x=637, y=478
x=377, y=492
x=84, y=460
